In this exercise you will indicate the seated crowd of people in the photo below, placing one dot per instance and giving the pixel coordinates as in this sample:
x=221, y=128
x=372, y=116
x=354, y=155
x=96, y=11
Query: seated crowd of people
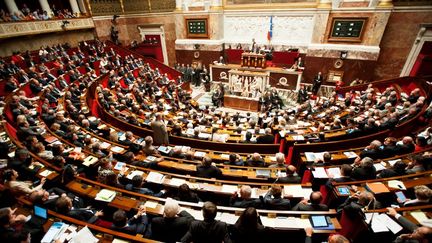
x=139, y=94
x=35, y=14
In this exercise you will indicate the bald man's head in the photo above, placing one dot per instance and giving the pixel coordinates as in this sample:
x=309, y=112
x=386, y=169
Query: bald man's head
x=337, y=239
x=315, y=197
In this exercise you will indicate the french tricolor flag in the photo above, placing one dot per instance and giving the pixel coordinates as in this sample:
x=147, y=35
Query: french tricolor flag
x=270, y=32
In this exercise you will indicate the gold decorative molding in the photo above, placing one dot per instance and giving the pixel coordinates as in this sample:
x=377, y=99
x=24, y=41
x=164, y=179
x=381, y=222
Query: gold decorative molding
x=14, y=29
x=385, y=4
x=255, y=6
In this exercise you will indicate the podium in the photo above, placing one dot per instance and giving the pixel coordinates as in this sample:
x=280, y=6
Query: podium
x=255, y=60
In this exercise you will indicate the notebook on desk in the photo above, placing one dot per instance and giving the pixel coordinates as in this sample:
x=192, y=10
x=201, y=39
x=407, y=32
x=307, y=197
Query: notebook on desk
x=263, y=173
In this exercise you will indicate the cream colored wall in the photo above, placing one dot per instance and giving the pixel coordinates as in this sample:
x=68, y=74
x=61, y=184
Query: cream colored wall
x=34, y=42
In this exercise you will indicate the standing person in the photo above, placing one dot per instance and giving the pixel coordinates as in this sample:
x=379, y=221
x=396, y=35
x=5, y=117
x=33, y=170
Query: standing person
x=317, y=82
x=160, y=133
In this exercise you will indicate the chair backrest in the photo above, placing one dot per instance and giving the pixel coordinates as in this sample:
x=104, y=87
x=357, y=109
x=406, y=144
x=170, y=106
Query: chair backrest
x=352, y=227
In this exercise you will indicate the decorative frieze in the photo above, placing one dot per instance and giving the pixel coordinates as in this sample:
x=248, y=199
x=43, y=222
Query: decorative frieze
x=13, y=29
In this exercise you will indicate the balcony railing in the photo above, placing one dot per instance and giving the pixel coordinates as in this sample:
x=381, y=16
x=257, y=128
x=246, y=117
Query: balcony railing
x=13, y=29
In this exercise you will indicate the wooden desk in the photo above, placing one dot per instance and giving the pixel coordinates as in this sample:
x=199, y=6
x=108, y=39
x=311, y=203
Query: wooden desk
x=241, y=103
x=255, y=60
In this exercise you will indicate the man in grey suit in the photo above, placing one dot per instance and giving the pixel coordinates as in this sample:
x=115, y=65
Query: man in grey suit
x=160, y=134
x=418, y=235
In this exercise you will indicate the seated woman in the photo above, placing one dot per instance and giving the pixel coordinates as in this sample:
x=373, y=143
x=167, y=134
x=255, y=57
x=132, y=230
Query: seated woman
x=20, y=187
x=248, y=227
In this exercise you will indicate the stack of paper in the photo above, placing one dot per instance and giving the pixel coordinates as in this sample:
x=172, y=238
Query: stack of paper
x=84, y=236
x=297, y=191
x=105, y=195
x=280, y=222
x=350, y=154
x=382, y=223
x=150, y=204
x=419, y=216
x=396, y=184
x=298, y=137
x=177, y=182
x=155, y=177
x=334, y=172
x=392, y=162
x=119, y=165
x=228, y=218
x=90, y=160
x=105, y=145
x=379, y=167
x=319, y=172
x=199, y=154
x=134, y=173
x=117, y=149
x=45, y=173
x=164, y=149
x=224, y=156
x=230, y=189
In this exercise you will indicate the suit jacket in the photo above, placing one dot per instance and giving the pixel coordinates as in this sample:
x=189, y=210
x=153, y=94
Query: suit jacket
x=208, y=172
x=177, y=227
x=410, y=226
x=310, y=207
x=211, y=231
x=135, y=226
x=276, y=203
x=266, y=139
x=245, y=203
x=160, y=134
x=290, y=179
x=83, y=215
x=361, y=173
x=255, y=163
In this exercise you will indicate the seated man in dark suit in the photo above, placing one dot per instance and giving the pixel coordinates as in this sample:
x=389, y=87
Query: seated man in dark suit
x=355, y=204
x=398, y=169
x=405, y=146
x=207, y=170
x=365, y=170
x=234, y=159
x=138, y=224
x=48, y=198
x=372, y=151
x=244, y=200
x=209, y=230
x=255, y=160
x=291, y=176
x=267, y=138
x=174, y=221
x=273, y=199
x=418, y=235
x=314, y=203
x=64, y=206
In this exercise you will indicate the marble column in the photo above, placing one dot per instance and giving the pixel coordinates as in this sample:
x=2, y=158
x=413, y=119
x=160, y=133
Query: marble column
x=74, y=6
x=324, y=4
x=12, y=7
x=82, y=6
x=46, y=7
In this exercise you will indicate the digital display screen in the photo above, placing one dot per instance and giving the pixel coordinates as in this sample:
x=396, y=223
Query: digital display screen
x=40, y=212
x=319, y=221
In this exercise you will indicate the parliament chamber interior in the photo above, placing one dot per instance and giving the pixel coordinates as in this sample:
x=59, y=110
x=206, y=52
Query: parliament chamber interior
x=216, y=121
